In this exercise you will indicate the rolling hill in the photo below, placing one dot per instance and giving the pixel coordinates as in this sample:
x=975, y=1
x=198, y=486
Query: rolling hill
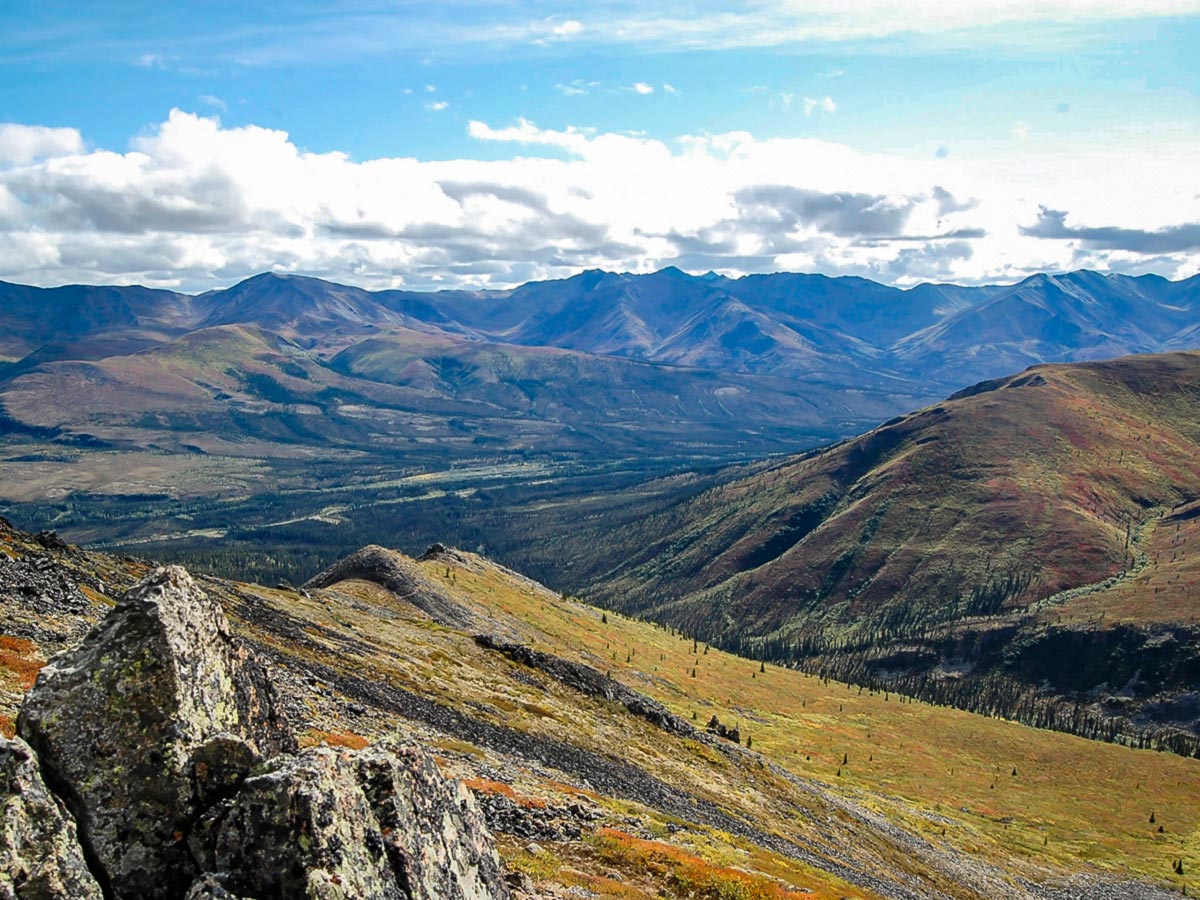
x=1020, y=548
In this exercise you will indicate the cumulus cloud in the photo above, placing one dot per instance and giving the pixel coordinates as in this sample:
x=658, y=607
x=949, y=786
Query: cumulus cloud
x=640, y=87
x=194, y=203
x=24, y=143
x=947, y=203
x=844, y=215
x=437, y=105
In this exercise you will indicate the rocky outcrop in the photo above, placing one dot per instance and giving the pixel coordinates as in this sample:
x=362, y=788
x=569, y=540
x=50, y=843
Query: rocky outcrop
x=158, y=709
x=324, y=823
x=40, y=856
x=538, y=822
x=591, y=682
x=163, y=736
x=301, y=828
x=436, y=838
x=404, y=578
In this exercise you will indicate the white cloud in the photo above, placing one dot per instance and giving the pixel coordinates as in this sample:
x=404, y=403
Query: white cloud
x=640, y=87
x=437, y=106
x=577, y=88
x=21, y=144
x=196, y=204
x=824, y=104
x=335, y=34
x=774, y=22
x=1020, y=131
x=670, y=89
x=214, y=101
x=569, y=28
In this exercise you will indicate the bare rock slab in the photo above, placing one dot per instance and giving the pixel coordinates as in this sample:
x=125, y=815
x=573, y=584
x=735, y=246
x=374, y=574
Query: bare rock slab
x=434, y=833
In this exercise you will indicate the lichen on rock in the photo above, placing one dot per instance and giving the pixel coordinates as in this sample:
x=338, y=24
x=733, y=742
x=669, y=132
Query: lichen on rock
x=40, y=855
x=118, y=723
x=435, y=834
x=300, y=829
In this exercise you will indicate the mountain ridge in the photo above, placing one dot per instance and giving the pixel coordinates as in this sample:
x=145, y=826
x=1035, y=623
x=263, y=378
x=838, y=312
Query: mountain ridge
x=851, y=351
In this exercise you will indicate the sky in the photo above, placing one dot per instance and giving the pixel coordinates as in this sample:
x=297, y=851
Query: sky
x=388, y=143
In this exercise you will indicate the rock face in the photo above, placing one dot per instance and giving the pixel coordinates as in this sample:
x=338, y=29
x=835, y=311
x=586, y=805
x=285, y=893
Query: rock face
x=163, y=736
x=40, y=856
x=435, y=833
x=125, y=727
x=302, y=828
x=381, y=823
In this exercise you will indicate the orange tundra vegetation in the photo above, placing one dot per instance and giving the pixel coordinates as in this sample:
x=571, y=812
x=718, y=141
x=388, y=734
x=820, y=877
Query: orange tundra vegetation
x=487, y=786
x=20, y=657
x=347, y=739
x=685, y=872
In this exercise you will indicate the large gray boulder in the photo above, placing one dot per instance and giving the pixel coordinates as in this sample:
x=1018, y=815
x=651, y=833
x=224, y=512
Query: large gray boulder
x=40, y=855
x=330, y=824
x=300, y=830
x=156, y=713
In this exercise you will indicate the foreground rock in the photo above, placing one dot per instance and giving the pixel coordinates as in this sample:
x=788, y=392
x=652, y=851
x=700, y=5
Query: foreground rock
x=436, y=837
x=157, y=709
x=40, y=857
x=163, y=736
x=381, y=823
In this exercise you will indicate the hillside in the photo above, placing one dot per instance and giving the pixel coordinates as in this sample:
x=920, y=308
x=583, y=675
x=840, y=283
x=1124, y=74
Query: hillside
x=1005, y=547
x=582, y=736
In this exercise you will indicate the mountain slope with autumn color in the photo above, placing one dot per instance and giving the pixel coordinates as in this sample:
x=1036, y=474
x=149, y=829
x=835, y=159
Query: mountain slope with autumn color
x=585, y=739
x=947, y=551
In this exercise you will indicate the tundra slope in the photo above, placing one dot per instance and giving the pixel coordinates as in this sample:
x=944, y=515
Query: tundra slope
x=1024, y=548
x=577, y=733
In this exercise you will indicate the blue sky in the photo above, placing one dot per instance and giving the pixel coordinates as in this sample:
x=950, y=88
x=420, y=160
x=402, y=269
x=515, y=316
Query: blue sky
x=1020, y=110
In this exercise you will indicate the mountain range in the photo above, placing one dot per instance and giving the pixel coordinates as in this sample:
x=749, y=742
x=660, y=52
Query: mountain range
x=600, y=363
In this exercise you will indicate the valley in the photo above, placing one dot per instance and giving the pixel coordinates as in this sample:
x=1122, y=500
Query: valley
x=1001, y=550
